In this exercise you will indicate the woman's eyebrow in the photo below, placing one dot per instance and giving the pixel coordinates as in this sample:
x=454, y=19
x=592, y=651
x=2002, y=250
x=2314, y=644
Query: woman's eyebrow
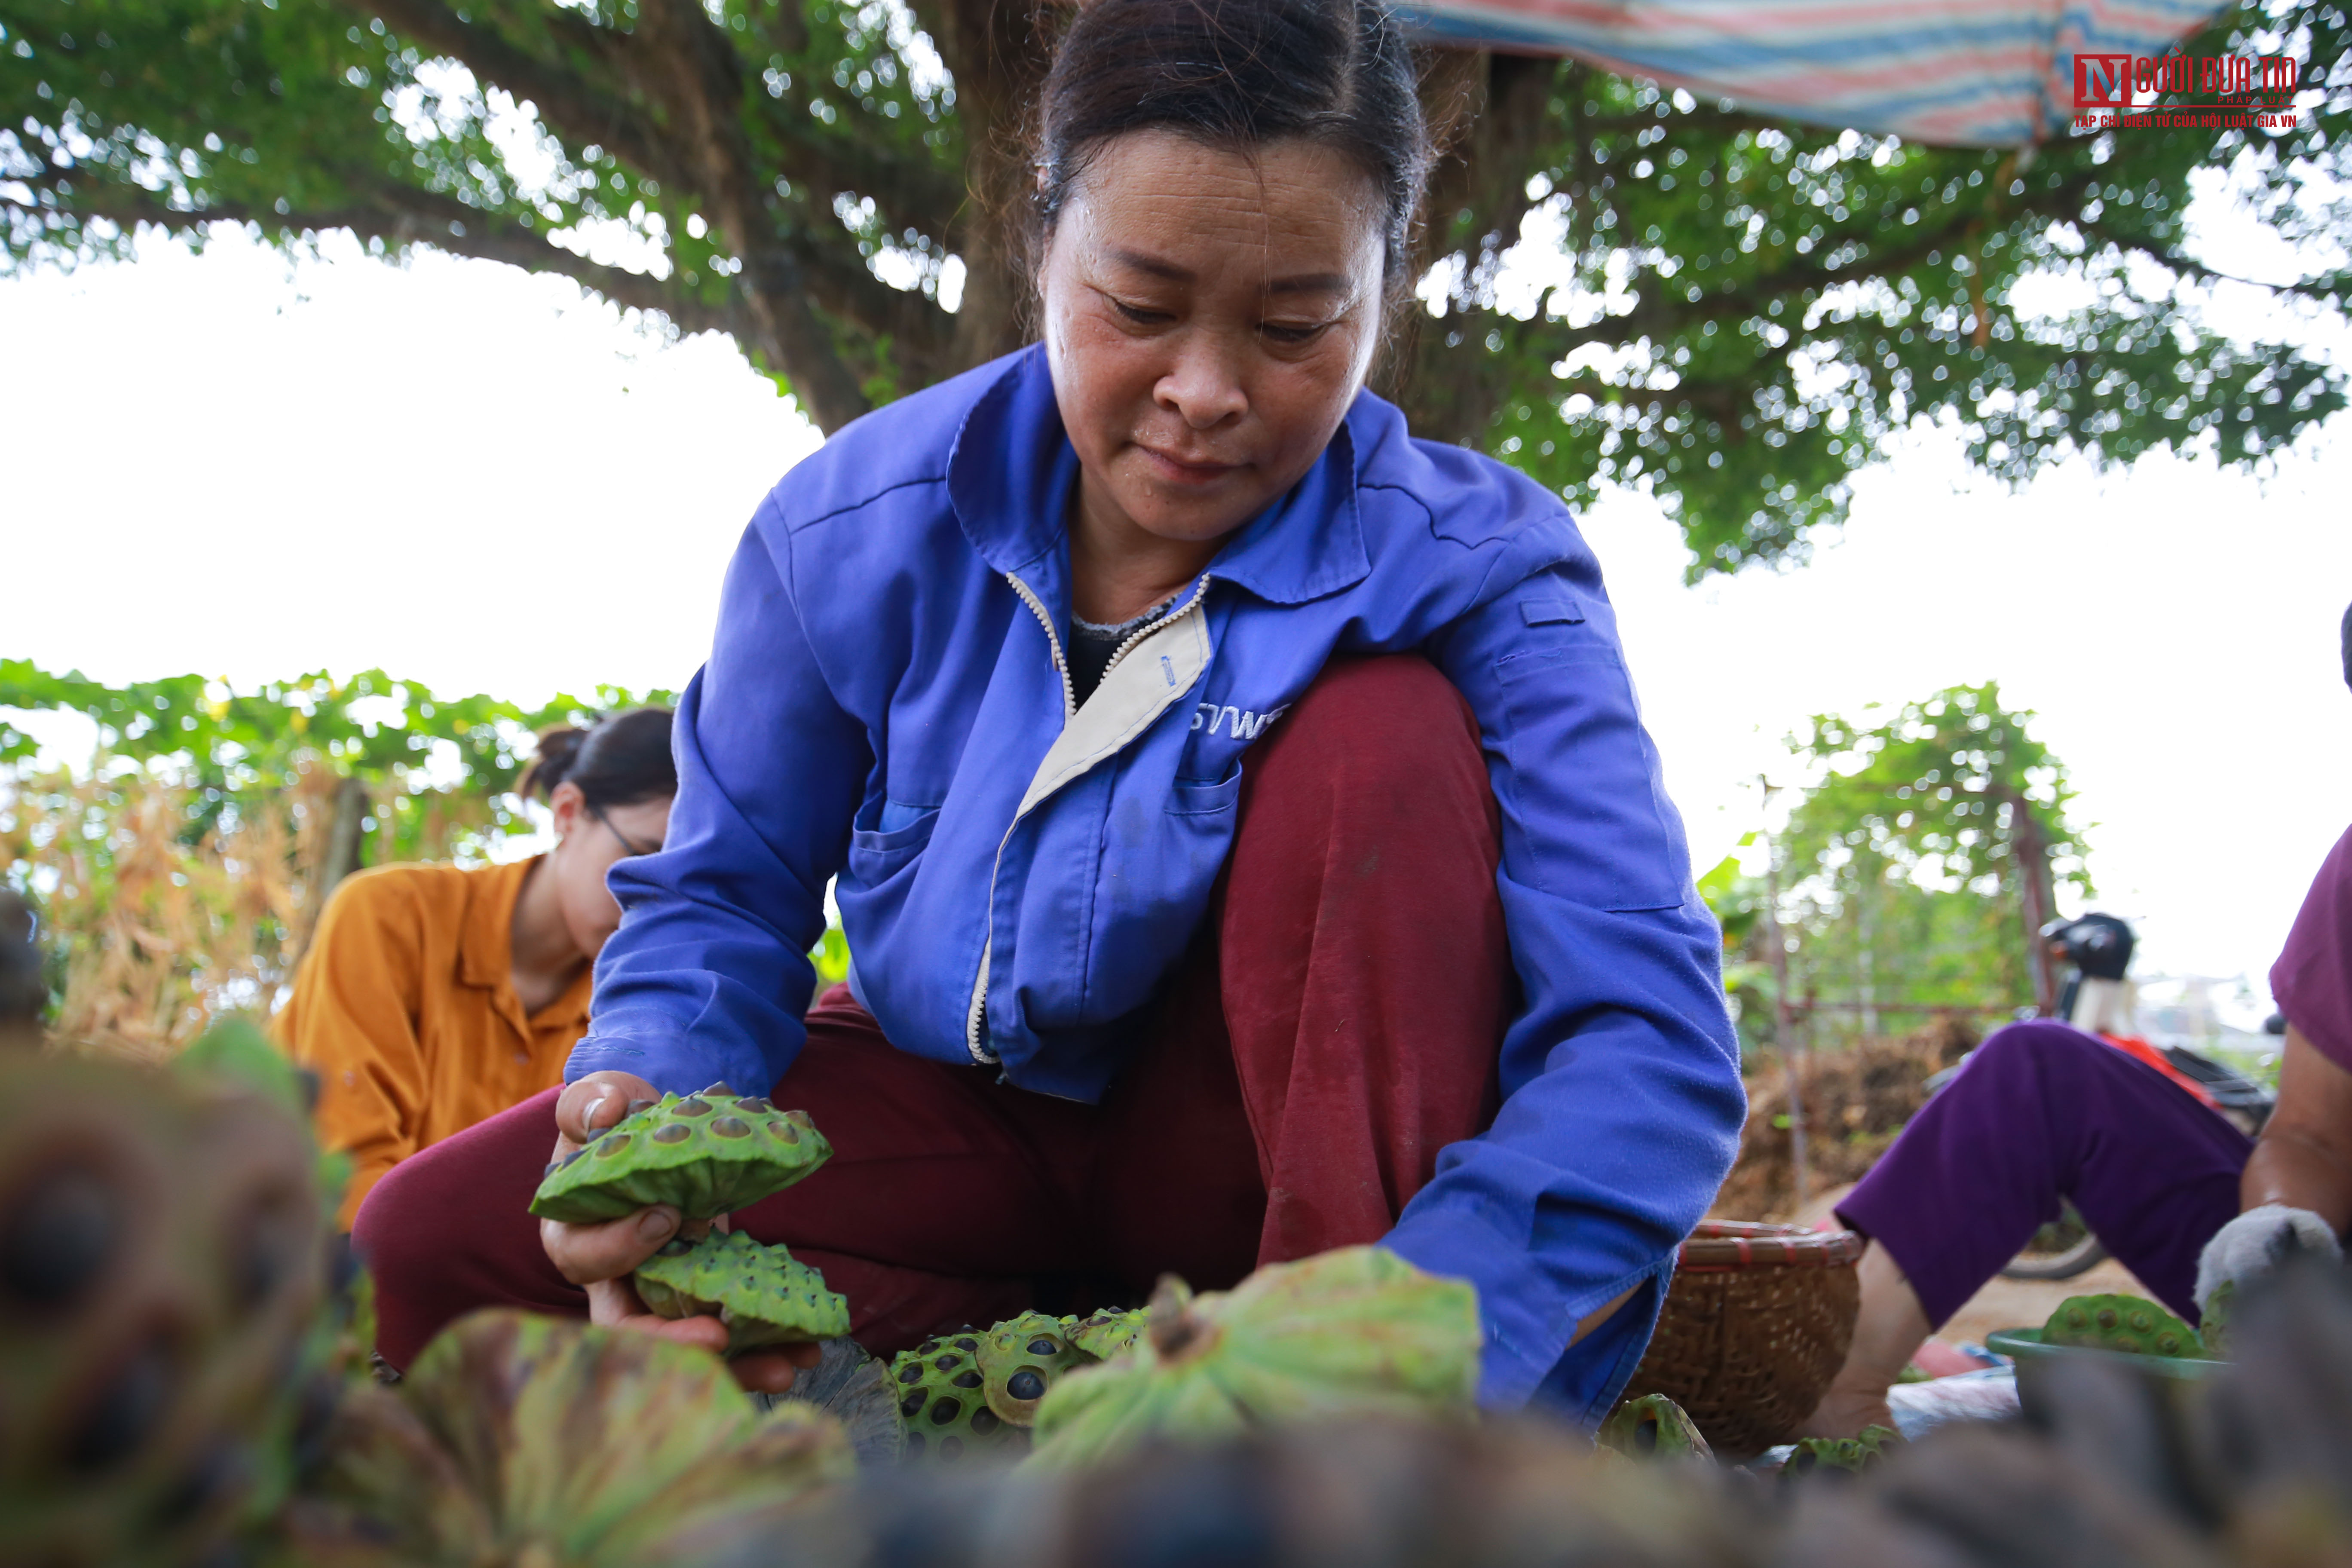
x=1304, y=283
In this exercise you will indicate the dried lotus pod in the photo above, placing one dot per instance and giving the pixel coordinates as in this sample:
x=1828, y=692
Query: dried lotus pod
x=943, y=1399
x=1358, y=1331
x=764, y=1295
x=1107, y=1333
x=1021, y=1359
x=162, y=1270
x=2124, y=1323
x=707, y=1154
x=521, y=1439
x=1652, y=1427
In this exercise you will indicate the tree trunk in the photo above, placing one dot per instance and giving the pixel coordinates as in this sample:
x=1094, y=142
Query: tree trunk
x=345, y=841
x=2030, y=850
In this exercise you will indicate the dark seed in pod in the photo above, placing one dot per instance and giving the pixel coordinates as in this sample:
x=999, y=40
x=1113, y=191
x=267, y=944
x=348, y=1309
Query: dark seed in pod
x=1041, y=1345
x=1026, y=1384
x=730, y=1127
x=984, y=1421
x=912, y=1374
x=912, y=1406
x=672, y=1133
x=552, y=1166
x=966, y=1380
x=914, y=1445
x=2106, y=1317
x=677, y=1245
x=265, y=1248
x=753, y=1105
x=573, y=1155
x=785, y=1131
x=638, y=1105
x=926, y=1347
x=950, y=1447
x=967, y=1344
x=948, y=1363
x=613, y=1143
x=125, y=1411
x=720, y=1087
x=58, y=1238
x=945, y=1411
x=692, y=1105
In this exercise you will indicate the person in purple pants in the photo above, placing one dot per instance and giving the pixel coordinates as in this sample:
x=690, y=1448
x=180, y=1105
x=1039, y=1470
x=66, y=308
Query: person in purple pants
x=2045, y=1111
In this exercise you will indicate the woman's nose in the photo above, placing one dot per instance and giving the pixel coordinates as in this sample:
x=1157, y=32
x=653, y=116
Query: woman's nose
x=1203, y=387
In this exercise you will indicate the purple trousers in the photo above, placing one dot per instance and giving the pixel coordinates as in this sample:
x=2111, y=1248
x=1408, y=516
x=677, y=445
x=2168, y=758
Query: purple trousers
x=2044, y=1112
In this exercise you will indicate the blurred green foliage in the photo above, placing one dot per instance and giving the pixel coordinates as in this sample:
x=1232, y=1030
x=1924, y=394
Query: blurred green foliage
x=1901, y=866
x=1731, y=311
x=440, y=770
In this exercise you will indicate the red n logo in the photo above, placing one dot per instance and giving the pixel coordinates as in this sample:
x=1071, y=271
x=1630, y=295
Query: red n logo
x=2103, y=81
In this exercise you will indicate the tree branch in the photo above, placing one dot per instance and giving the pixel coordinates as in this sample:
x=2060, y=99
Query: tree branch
x=572, y=104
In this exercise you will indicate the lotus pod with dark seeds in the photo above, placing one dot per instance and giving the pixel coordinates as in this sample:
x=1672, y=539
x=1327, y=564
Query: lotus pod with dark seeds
x=764, y=1295
x=1022, y=1357
x=1358, y=1331
x=707, y=1154
x=1652, y=1427
x=2124, y=1323
x=161, y=1273
x=1106, y=1333
x=942, y=1398
x=518, y=1439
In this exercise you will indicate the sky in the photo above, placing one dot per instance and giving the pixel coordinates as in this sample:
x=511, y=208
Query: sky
x=249, y=467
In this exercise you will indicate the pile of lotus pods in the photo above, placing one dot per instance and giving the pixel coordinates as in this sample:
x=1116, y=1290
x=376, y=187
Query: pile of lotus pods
x=183, y=1382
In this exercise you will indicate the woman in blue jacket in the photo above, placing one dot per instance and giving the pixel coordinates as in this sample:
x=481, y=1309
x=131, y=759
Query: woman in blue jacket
x=1242, y=822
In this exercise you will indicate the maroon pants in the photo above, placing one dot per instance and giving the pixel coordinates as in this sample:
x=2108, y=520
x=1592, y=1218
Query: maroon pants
x=1337, y=1024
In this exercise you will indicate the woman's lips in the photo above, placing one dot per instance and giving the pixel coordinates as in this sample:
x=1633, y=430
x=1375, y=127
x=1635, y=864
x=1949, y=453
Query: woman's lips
x=1182, y=470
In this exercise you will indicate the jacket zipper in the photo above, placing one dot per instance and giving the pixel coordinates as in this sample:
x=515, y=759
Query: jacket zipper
x=1190, y=599
x=976, y=1014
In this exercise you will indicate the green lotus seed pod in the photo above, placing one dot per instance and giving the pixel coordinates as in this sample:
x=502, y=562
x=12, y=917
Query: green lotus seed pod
x=1852, y=1455
x=761, y=1294
x=1355, y=1331
x=1107, y=1333
x=2214, y=1327
x=708, y=1154
x=2126, y=1324
x=1652, y=1427
x=1021, y=1359
x=943, y=1399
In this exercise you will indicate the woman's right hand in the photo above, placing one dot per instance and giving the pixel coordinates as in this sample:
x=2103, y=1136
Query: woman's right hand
x=600, y=1257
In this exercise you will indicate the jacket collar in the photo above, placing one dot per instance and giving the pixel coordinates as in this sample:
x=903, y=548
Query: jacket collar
x=1010, y=473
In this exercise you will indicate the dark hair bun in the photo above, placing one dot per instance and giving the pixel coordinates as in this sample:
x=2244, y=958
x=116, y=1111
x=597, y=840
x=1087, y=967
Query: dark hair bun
x=559, y=749
x=623, y=761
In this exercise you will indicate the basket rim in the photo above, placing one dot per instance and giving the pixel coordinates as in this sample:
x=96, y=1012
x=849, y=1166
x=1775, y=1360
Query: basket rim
x=1730, y=1244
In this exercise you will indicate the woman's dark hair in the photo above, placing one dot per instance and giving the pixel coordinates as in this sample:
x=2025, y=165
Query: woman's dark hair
x=1239, y=74
x=623, y=761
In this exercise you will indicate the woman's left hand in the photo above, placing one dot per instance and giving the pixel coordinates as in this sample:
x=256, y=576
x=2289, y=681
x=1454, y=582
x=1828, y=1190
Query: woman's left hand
x=600, y=1257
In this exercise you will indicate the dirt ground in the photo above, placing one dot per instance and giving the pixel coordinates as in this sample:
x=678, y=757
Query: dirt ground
x=2005, y=1303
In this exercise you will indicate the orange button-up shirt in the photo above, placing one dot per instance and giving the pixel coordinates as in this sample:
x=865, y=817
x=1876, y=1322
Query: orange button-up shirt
x=405, y=1008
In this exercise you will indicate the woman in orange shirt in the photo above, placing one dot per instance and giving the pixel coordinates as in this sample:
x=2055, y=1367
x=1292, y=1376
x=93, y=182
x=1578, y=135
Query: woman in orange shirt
x=434, y=996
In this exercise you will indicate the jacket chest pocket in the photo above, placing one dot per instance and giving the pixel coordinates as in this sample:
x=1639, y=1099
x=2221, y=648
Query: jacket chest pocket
x=875, y=854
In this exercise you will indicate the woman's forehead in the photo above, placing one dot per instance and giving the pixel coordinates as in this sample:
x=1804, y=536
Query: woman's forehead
x=1166, y=207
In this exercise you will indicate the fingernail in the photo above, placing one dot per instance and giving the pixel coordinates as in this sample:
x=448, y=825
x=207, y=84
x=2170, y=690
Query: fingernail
x=656, y=1223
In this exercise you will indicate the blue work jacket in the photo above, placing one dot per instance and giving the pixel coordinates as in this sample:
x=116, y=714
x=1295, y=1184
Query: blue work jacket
x=886, y=702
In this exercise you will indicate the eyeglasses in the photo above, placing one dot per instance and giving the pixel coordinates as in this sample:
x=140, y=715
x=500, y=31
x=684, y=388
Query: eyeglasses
x=628, y=844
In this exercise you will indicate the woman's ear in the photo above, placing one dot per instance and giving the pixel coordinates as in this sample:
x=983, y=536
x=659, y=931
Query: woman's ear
x=569, y=806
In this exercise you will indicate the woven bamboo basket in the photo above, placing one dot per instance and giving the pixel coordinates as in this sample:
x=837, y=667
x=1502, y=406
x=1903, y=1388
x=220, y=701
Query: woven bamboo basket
x=1756, y=1326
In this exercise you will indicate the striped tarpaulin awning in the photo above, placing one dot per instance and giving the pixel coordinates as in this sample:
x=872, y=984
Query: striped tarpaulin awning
x=1977, y=73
